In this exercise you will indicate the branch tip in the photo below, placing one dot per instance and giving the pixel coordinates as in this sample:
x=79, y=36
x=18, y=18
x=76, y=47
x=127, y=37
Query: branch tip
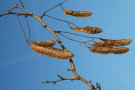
x=21, y=3
x=60, y=77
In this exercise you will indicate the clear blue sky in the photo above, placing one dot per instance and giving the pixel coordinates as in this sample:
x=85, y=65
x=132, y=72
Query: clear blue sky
x=23, y=69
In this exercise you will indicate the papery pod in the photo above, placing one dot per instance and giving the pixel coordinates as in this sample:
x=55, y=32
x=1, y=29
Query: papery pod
x=107, y=43
x=120, y=50
x=100, y=44
x=77, y=13
x=48, y=43
x=122, y=42
x=101, y=50
x=52, y=52
x=116, y=43
x=88, y=29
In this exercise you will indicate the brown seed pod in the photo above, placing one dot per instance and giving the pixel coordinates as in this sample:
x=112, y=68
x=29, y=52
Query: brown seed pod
x=77, y=13
x=107, y=43
x=101, y=50
x=120, y=50
x=52, y=52
x=100, y=44
x=115, y=43
x=88, y=29
x=48, y=43
x=122, y=42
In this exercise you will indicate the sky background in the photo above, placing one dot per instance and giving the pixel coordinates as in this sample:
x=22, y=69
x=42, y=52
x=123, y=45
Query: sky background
x=23, y=69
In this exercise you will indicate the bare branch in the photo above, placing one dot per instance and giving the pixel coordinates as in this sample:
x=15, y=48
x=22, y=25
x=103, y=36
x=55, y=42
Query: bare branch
x=4, y=14
x=12, y=8
x=14, y=13
x=78, y=77
x=61, y=79
x=98, y=86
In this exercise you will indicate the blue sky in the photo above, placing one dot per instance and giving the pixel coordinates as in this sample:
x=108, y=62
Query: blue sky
x=23, y=69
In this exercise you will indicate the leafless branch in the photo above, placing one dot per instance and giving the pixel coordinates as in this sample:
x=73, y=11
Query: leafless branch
x=73, y=70
x=12, y=8
x=14, y=13
x=61, y=79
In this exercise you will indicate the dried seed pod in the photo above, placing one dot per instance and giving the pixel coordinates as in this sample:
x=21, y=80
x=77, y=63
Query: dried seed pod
x=48, y=43
x=77, y=13
x=115, y=43
x=88, y=29
x=52, y=52
x=120, y=50
x=100, y=44
x=122, y=42
x=101, y=50
x=107, y=43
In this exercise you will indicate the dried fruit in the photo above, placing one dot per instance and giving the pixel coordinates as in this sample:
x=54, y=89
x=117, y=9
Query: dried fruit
x=109, y=50
x=101, y=50
x=77, y=13
x=88, y=29
x=115, y=43
x=52, y=52
x=120, y=50
x=48, y=43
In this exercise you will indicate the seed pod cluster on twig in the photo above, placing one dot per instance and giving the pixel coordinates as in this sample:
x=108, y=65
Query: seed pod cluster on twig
x=77, y=13
x=88, y=29
x=45, y=48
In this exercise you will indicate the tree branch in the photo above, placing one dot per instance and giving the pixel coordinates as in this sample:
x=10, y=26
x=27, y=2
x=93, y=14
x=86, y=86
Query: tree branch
x=78, y=77
x=61, y=79
x=14, y=13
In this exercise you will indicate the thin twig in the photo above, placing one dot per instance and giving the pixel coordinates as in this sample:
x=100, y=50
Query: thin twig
x=61, y=79
x=62, y=7
x=52, y=8
x=61, y=20
x=26, y=14
x=74, y=40
x=21, y=3
x=4, y=14
x=22, y=29
x=76, y=34
x=28, y=27
x=12, y=8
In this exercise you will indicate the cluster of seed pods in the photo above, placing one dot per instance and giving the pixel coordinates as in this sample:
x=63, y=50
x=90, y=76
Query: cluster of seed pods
x=107, y=46
x=46, y=48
